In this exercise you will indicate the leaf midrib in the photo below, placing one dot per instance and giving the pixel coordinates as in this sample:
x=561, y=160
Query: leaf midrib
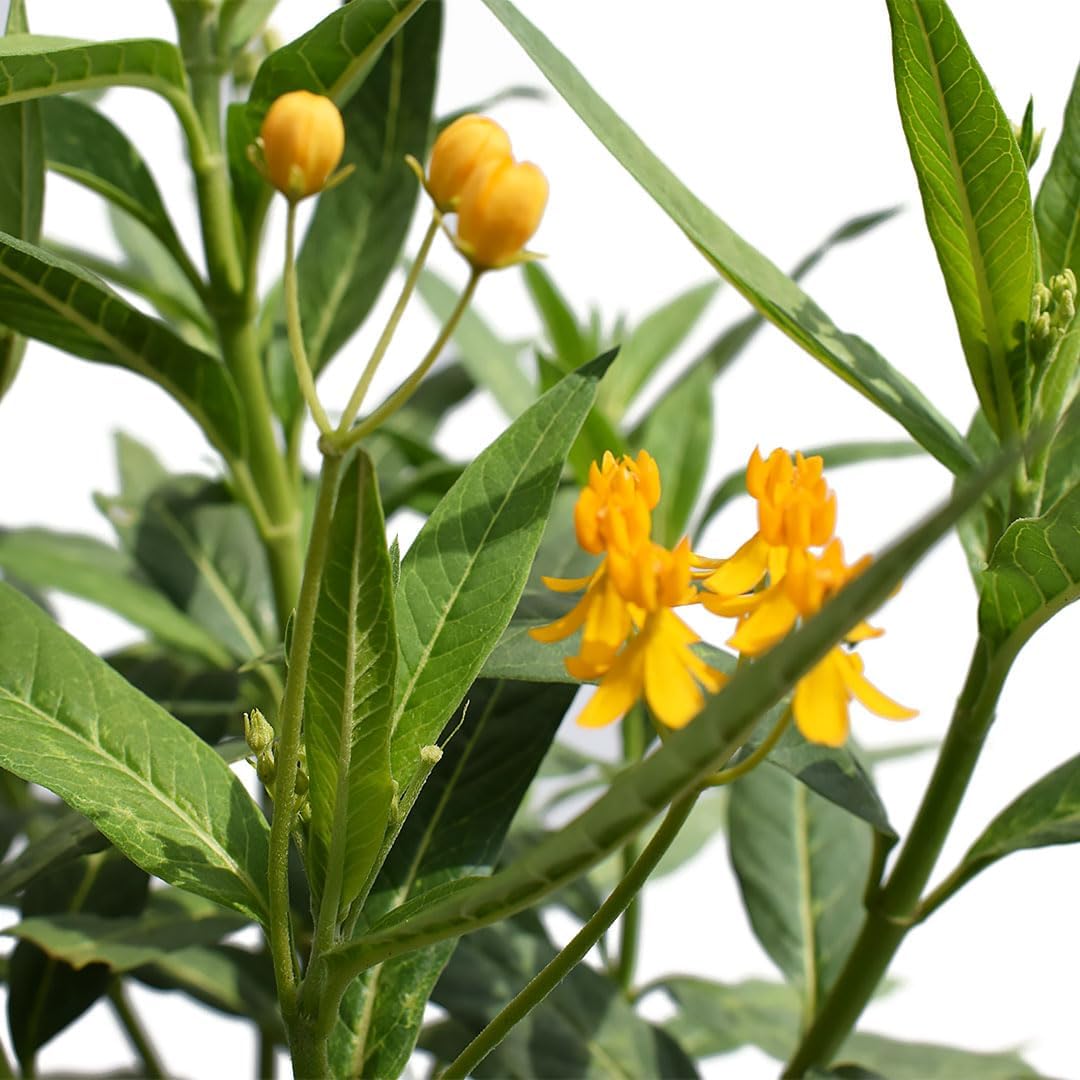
x=99, y=751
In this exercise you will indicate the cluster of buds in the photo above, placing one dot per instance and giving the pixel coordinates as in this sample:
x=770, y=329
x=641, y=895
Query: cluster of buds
x=631, y=640
x=1053, y=308
x=259, y=736
x=499, y=201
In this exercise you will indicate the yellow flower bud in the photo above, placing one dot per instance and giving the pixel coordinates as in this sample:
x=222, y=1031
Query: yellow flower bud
x=468, y=144
x=500, y=209
x=303, y=138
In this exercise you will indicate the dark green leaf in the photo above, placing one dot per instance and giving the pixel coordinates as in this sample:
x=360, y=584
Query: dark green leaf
x=358, y=228
x=462, y=577
x=172, y=920
x=584, y=1029
x=85, y=567
x=685, y=759
x=775, y=295
x=491, y=362
x=348, y=695
x=455, y=832
x=974, y=186
x=1057, y=207
x=802, y=864
x=47, y=994
x=50, y=299
x=71, y=724
x=71, y=836
x=650, y=344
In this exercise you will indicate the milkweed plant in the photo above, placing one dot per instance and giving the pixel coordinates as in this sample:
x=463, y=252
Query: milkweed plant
x=352, y=746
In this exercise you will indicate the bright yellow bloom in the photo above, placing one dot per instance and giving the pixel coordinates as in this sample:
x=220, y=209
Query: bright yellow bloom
x=467, y=145
x=303, y=138
x=614, y=508
x=796, y=510
x=822, y=696
x=499, y=210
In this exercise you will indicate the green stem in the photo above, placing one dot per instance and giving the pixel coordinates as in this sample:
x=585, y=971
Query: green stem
x=725, y=776
x=362, y=387
x=265, y=1066
x=633, y=733
x=296, y=334
x=896, y=907
x=6, y=1071
x=345, y=440
x=140, y=1041
x=559, y=967
x=289, y=730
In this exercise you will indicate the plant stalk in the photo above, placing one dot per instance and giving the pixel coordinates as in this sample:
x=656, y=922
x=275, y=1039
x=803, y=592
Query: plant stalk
x=152, y=1068
x=559, y=967
x=896, y=906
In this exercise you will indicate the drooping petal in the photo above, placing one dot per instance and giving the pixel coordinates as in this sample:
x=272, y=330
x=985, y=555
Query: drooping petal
x=850, y=669
x=562, y=584
x=820, y=703
x=742, y=571
x=621, y=687
x=771, y=620
x=564, y=626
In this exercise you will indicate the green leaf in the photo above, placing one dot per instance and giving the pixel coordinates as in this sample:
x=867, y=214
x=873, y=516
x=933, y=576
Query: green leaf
x=685, y=759
x=454, y=832
x=358, y=227
x=32, y=66
x=1047, y=813
x=802, y=865
x=1033, y=573
x=225, y=977
x=974, y=186
x=240, y=20
x=651, y=343
x=775, y=295
x=160, y=794
x=172, y=920
x=22, y=189
x=716, y=1018
x=348, y=695
x=333, y=58
x=678, y=433
x=46, y=994
x=86, y=147
x=50, y=299
x=71, y=836
x=1057, y=206
x=201, y=549
x=560, y=322
x=491, y=362
x=85, y=567
x=584, y=1029
x=836, y=455
x=462, y=577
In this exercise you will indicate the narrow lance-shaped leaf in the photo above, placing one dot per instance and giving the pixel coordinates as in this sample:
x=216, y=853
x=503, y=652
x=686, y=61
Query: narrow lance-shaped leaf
x=1057, y=206
x=802, y=864
x=88, y=148
x=974, y=186
x=358, y=228
x=349, y=689
x=686, y=757
x=240, y=20
x=454, y=832
x=50, y=299
x=157, y=791
x=774, y=294
x=22, y=189
x=462, y=577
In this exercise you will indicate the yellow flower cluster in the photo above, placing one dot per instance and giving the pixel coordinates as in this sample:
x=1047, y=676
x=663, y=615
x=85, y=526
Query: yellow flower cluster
x=635, y=644
x=498, y=201
x=631, y=638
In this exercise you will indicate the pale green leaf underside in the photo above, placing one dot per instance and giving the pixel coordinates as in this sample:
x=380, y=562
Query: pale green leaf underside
x=157, y=791
x=774, y=294
x=974, y=189
x=48, y=298
x=689, y=755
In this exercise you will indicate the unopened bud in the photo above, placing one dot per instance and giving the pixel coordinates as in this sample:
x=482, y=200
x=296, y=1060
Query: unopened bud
x=499, y=211
x=430, y=755
x=302, y=781
x=303, y=138
x=469, y=144
x=258, y=734
x=266, y=768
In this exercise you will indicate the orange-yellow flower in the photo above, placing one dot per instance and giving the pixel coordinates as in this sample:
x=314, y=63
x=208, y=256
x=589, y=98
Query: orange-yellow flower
x=467, y=145
x=796, y=510
x=614, y=508
x=822, y=696
x=303, y=138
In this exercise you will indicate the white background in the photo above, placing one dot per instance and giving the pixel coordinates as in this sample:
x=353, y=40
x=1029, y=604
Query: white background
x=781, y=117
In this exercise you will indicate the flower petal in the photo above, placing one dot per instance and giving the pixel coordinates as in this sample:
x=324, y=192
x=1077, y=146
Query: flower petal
x=870, y=696
x=742, y=571
x=562, y=584
x=771, y=620
x=820, y=703
x=621, y=687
